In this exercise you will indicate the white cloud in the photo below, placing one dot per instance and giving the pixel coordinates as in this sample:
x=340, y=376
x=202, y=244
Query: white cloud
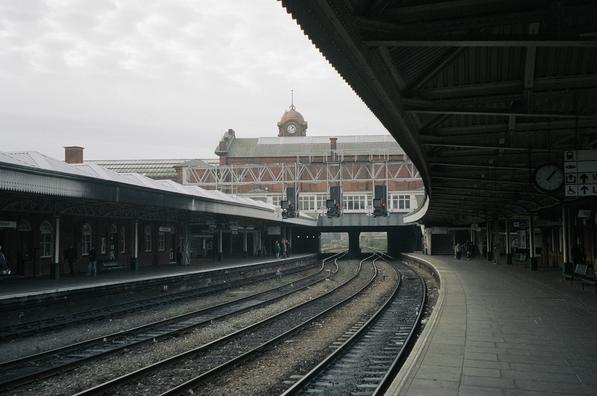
x=160, y=78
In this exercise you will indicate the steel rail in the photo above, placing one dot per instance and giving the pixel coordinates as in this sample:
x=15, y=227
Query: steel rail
x=34, y=367
x=203, y=351
x=238, y=359
x=34, y=327
x=361, y=363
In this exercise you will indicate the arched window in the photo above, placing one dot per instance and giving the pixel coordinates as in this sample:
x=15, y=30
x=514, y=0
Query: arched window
x=46, y=245
x=147, y=238
x=86, y=240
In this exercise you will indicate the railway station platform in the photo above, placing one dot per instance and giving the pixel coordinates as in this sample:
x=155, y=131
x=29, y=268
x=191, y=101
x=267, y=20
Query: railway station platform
x=503, y=330
x=19, y=288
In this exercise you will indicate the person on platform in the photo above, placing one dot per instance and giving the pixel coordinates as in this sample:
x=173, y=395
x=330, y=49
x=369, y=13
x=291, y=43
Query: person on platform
x=469, y=250
x=4, y=269
x=284, y=248
x=277, y=249
x=92, y=266
x=458, y=250
x=287, y=247
x=71, y=257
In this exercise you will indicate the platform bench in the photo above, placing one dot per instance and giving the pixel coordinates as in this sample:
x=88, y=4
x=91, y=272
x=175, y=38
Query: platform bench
x=569, y=271
x=589, y=279
x=582, y=272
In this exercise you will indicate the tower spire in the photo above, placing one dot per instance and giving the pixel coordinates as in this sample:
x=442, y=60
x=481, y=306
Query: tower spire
x=292, y=99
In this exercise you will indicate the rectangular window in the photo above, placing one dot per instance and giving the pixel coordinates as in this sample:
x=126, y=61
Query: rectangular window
x=45, y=245
x=356, y=203
x=401, y=202
x=321, y=202
x=308, y=203
x=161, y=241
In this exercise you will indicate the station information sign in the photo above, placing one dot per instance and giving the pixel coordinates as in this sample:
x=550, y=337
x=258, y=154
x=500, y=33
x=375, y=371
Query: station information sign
x=580, y=173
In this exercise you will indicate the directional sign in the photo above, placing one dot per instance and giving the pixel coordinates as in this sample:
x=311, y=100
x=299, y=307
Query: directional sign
x=580, y=167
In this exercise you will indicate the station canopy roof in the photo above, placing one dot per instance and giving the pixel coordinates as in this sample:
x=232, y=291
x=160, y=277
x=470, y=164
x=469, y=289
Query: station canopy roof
x=36, y=161
x=293, y=146
x=479, y=93
x=154, y=168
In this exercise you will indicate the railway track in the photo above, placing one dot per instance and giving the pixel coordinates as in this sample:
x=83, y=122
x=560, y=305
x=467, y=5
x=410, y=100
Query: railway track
x=39, y=366
x=182, y=372
x=368, y=360
x=114, y=309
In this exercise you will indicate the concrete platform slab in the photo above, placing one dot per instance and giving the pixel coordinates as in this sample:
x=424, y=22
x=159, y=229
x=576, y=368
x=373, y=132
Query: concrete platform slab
x=23, y=288
x=503, y=330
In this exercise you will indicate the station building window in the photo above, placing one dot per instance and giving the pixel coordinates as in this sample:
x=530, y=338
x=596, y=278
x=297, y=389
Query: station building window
x=311, y=202
x=147, y=234
x=355, y=203
x=46, y=239
x=401, y=202
x=86, y=234
x=161, y=241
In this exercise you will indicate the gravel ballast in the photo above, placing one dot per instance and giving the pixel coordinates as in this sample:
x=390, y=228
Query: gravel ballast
x=114, y=365
x=17, y=348
x=297, y=355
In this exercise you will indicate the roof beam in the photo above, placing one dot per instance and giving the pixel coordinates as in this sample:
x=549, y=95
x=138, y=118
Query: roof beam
x=526, y=127
x=481, y=180
x=485, y=166
x=384, y=53
x=477, y=189
x=485, y=147
x=438, y=67
x=486, y=40
x=487, y=112
x=514, y=87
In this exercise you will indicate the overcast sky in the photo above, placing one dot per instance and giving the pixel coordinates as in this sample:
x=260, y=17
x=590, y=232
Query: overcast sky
x=160, y=78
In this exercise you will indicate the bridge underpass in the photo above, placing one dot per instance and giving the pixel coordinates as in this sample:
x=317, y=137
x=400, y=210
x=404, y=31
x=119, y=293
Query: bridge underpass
x=405, y=238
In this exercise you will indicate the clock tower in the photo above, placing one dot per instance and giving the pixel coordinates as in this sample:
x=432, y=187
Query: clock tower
x=292, y=122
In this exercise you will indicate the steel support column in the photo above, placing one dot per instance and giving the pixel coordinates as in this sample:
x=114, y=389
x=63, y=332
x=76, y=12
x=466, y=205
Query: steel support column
x=186, y=245
x=489, y=242
x=245, y=243
x=532, y=257
x=353, y=243
x=56, y=266
x=135, y=255
x=565, y=235
x=508, y=244
x=220, y=245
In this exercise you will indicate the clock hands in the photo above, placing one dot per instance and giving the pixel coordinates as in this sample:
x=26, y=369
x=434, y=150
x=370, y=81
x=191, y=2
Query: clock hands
x=552, y=173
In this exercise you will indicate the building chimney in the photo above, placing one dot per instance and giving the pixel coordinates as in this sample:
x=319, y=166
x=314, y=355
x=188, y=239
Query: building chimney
x=333, y=147
x=73, y=154
x=333, y=141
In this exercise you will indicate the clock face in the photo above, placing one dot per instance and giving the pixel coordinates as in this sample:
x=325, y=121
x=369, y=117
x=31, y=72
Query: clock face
x=291, y=129
x=549, y=177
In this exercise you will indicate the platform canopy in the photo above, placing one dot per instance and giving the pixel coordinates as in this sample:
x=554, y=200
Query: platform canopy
x=479, y=93
x=35, y=183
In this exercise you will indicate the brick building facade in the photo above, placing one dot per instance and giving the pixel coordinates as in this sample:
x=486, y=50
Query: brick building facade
x=265, y=168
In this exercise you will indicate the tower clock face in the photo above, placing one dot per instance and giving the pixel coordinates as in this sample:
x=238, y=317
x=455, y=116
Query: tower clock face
x=291, y=129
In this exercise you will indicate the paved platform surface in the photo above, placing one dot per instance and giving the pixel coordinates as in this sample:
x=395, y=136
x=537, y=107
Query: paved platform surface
x=504, y=330
x=10, y=288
